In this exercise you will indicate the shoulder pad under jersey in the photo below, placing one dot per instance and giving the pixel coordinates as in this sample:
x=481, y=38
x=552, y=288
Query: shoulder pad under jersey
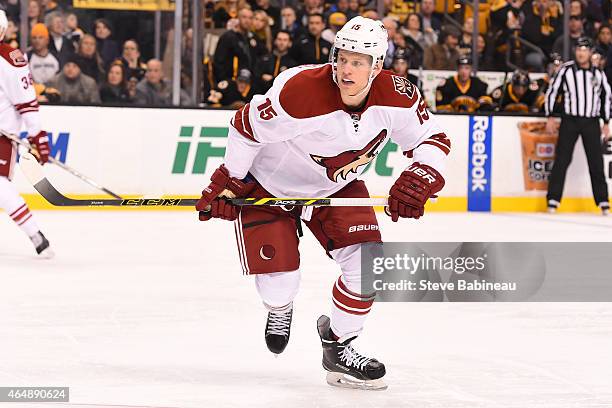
x=13, y=56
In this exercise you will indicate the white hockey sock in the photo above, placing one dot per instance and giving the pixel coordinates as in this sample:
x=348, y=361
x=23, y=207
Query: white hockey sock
x=350, y=308
x=16, y=208
x=277, y=289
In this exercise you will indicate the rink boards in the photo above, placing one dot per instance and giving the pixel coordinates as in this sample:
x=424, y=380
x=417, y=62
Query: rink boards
x=493, y=165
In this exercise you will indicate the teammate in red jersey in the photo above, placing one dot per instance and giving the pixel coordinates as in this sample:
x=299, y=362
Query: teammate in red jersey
x=311, y=135
x=19, y=110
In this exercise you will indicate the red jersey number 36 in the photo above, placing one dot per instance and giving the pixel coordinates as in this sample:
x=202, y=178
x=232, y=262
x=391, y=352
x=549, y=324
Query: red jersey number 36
x=26, y=81
x=266, y=111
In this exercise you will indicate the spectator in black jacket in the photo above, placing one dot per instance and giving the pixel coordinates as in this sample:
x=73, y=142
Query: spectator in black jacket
x=507, y=19
x=592, y=14
x=576, y=30
x=604, y=40
x=269, y=66
x=263, y=33
x=73, y=32
x=130, y=57
x=542, y=26
x=311, y=48
x=486, y=60
x=233, y=94
x=59, y=46
x=114, y=89
x=107, y=47
x=89, y=59
x=290, y=22
x=429, y=19
x=236, y=49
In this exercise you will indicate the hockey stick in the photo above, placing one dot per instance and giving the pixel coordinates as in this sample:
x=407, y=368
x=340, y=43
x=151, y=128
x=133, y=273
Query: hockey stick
x=34, y=173
x=58, y=163
x=308, y=202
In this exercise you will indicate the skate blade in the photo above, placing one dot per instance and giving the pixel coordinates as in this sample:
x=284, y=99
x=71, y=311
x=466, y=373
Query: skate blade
x=346, y=381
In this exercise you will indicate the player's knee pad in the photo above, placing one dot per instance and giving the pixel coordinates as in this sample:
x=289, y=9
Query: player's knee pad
x=279, y=288
x=349, y=260
x=347, y=292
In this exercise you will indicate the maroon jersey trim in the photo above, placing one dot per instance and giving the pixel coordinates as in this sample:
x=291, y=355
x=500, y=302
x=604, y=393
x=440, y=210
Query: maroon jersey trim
x=242, y=124
x=312, y=92
x=13, y=56
x=439, y=140
x=31, y=106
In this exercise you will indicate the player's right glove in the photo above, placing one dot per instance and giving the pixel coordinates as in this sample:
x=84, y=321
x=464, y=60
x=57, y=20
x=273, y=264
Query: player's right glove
x=40, y=146
x=411, y=191
x=214, y=203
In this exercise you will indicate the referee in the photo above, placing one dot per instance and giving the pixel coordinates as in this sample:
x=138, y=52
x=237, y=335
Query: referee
x=586, y=99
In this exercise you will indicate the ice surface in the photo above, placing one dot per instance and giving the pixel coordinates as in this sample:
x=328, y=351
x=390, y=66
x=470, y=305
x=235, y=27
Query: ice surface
x=149, y=309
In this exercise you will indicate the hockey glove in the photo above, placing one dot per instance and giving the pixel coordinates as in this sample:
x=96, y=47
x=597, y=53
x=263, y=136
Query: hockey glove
x=411, y=191
x=214, y=203
x=40, y=146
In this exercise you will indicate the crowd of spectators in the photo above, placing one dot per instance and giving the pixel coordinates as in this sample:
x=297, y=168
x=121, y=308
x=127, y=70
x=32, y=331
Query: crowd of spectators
x=261, y=39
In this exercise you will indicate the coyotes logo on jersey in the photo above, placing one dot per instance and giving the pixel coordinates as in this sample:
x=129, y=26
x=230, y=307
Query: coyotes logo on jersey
x=348, y=162
x=403, y=86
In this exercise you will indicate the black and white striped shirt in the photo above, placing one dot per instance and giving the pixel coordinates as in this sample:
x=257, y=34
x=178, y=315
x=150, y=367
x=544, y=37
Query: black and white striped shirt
x=586, y=92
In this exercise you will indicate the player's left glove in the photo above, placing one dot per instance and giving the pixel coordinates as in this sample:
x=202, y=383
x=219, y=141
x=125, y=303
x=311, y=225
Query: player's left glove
x=411, y=191
x=40, y=146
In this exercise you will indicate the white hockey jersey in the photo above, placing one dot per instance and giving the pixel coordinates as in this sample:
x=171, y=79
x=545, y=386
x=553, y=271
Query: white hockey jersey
x=18, y=104
x=299, y=139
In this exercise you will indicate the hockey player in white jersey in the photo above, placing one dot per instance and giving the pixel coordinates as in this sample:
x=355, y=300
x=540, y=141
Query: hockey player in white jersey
x=19, y=110
x=311, y=135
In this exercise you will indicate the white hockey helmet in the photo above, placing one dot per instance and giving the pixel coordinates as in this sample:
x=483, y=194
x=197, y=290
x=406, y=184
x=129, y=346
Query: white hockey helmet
x=362, y=35
x=3, y=24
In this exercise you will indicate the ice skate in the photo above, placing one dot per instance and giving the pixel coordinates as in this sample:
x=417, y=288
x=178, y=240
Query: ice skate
x=42, y=246
x=347, y=368
x=605, y=209
x=278, y=328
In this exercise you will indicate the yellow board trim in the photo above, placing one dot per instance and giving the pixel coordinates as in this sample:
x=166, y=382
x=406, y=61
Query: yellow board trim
x=139, y=5
x=443, y=204
x=538, y=204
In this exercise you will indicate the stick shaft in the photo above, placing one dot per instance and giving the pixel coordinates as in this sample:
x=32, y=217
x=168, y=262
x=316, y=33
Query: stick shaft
x=308, y=202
